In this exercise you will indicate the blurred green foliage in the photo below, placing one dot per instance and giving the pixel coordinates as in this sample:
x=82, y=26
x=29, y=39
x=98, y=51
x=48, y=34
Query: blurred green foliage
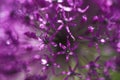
x=115, y=75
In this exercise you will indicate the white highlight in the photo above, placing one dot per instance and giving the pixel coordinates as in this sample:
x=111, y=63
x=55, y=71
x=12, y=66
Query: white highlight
x=83, y=10
x=44, y=61
x=68, y=9
x=68, y=30
x=102, y=40
x=118, y=45
x=8, y=42
x=60, y=1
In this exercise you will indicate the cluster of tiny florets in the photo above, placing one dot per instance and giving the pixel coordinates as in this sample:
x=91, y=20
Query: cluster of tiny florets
x=52, y=39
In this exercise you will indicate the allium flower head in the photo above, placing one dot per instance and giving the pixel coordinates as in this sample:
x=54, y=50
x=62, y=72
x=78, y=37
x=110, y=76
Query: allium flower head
x=59, y=39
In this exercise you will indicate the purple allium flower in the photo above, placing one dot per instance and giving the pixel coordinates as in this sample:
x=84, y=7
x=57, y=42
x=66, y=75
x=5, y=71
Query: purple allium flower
x=45, y=39
x=36, y=77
